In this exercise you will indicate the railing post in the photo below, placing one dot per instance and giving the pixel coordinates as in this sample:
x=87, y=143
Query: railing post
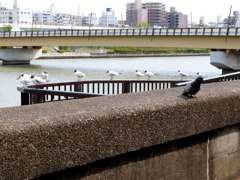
x=25, y=99
x=126, y=87
x=37, y=98
x=78, y=87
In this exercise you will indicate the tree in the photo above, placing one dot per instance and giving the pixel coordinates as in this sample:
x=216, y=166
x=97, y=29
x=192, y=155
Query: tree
x=142, y=25
x=6, y=28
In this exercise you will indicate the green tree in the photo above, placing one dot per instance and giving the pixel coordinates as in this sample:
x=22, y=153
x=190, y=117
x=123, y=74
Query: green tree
x=6, y=28
x=142, y=25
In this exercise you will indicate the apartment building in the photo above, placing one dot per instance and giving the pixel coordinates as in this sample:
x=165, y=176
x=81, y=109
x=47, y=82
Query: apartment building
x=157, y=15
x=176, y=19
x=108, y=18
x=16, y=15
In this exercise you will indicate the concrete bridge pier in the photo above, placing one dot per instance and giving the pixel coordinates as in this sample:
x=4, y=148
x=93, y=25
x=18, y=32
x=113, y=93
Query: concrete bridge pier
x=227, y=60
x=19, y=55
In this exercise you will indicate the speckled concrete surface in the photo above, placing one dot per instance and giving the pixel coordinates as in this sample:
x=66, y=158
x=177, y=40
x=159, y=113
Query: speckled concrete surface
x=44, y=138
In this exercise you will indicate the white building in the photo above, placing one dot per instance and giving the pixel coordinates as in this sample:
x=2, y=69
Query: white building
x=90, y=19
x=16, y=15
x=108, y=18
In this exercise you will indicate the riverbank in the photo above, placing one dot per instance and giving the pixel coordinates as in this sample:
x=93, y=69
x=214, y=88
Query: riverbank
x=72, y=55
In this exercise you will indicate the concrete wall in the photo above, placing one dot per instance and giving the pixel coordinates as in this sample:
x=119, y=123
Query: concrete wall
x=149, y=135
x=13, y=56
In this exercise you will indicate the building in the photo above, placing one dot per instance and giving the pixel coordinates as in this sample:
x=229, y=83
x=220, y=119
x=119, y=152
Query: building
x=90, y=20
x=136, y=12
x=157, y=15
x=108, y=18
x=176, y=19
x=16, y=15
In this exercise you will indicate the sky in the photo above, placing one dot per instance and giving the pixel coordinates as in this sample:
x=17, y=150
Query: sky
x=209, y=9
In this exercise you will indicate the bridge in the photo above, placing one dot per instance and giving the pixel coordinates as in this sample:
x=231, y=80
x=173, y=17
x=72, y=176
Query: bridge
x=222, y=42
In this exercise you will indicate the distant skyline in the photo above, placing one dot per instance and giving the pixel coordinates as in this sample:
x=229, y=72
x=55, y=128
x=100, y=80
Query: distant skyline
x=209, y=9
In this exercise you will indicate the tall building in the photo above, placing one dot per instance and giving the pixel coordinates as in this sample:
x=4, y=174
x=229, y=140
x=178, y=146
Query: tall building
x=157, y=15
x=176, y=19
x=108, y=18
x=135, y=13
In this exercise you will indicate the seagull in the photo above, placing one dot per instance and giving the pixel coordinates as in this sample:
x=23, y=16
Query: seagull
x=139, y=74
x=44, y=75
x=148, y=74
x=37, y=80
x=79, y=74
x=24, y=79
x=182, y=74
x=192, y=88
x=112, y=73
x=200, y=74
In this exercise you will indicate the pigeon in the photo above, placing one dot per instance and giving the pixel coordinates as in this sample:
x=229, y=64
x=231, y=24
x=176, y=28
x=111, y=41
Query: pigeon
x=192, y=88
x=79, y=74
x=37, y=80
x=112, y=74
x=44, y=75
x=148, y=74
x=139, y=74
x=182, y=74
x=24, y=79
x=200, y=74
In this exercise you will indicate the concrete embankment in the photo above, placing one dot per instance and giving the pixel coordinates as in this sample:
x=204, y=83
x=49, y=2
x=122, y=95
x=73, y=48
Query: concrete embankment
x=46, y=138
x=104, y=55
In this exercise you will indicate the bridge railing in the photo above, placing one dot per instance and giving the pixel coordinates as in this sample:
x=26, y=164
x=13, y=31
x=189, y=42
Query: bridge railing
x=126, y=32
x=84, y=89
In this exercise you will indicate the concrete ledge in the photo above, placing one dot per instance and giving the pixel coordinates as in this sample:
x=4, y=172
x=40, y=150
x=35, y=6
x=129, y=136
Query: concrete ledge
x=45, y=138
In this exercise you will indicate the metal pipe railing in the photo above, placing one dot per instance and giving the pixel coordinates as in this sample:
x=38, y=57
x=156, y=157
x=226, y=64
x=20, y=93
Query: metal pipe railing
x=126, y=32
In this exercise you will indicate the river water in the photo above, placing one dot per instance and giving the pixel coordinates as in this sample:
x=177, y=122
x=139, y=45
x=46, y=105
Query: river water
x=61, y=70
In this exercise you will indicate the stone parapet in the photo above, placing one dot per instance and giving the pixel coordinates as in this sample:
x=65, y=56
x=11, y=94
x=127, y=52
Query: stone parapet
x=45, y=138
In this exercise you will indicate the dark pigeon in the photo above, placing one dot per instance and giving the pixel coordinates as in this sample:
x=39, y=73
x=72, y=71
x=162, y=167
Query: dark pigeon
x=191, y=89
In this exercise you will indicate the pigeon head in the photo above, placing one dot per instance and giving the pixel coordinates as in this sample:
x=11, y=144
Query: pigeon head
x=197, y=83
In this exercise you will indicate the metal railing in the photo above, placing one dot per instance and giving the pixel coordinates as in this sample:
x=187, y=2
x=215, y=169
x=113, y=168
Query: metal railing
x=126, y=32
x=84, y=89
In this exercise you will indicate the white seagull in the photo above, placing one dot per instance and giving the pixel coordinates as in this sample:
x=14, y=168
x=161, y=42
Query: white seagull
x=24, y=79
x=37, y=80
x=79, y=74
x=148, y=74
x=44, y=75
x=139, y=74
x=182, y=74
x=113, y=73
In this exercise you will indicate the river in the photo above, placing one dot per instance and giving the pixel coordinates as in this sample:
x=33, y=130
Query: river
x=61, y=70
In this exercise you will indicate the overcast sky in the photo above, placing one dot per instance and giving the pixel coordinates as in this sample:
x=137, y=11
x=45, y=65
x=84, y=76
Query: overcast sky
x=210, y=9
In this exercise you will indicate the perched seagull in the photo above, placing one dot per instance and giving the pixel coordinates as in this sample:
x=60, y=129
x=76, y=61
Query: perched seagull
x=139, y=74
x=37, y=80
x=148, y=74
x=112, y=73
x=24, y=79
x=79, y=74
x=192, y=88
x=44, y=75
x=182, y=74
x=200, y=74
